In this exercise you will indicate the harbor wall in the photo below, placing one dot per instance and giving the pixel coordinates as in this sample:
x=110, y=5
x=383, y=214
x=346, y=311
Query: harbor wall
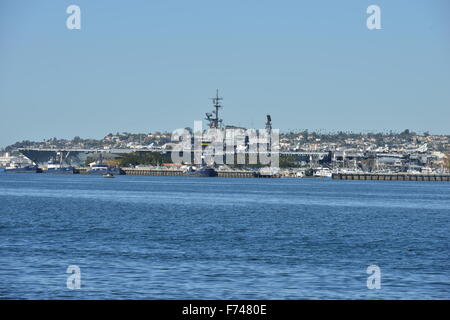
x=162, y=172
x=391, y=176
x=252, y=174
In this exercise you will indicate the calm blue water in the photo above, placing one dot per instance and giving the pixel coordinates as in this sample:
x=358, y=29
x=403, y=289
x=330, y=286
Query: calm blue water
x=215, y=238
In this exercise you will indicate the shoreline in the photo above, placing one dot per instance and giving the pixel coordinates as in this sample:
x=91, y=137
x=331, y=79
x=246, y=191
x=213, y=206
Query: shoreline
x=253, y=174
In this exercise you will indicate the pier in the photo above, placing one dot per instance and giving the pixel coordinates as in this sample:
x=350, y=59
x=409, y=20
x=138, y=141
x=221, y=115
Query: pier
x=151, y=172
x=165, y=172
x=391, y=176
x=235, y=174
x=255, y=174
x=159, y=172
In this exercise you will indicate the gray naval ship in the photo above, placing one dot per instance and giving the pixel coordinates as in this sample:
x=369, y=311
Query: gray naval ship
x=72, y=157
x=77, y=157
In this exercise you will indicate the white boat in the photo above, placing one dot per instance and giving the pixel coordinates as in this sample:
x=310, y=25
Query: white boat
x=426, y=170
x=55, y=166
x=323, y=173
x=300, y=174
x=102, y=168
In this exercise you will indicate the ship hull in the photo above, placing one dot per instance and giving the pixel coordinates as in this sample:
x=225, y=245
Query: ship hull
x=67, y=170
x=104, y=171
x=207, y=172
x=23, y=170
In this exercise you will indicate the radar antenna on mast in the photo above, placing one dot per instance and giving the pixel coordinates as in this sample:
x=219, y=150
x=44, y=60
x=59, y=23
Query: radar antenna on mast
x=213, y=118
x=269, y=124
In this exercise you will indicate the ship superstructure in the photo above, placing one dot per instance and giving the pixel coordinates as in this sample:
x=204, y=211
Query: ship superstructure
x=213, y=118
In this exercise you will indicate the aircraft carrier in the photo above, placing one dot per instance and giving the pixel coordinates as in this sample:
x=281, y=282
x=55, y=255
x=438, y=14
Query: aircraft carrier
x=77, y=157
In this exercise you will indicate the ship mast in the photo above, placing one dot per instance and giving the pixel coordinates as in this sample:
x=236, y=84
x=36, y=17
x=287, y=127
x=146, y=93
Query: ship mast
x=269, y=132
x=213, y=118
x=269, y=124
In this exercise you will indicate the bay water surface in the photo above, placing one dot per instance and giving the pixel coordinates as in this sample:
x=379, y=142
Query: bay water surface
x=141, y=237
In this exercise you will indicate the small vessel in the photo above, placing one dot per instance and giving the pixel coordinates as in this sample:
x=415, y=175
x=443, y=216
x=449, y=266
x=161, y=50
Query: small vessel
x=300, y=174
x=323, y=173
x=426, y=170
x=25, y=169
x=267, y=172
x=108, y=175
x=203, y=171
x=54, y=166
x=102, y=168
x=59, y=169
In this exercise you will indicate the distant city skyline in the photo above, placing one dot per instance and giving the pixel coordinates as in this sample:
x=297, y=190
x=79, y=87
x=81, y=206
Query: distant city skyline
x=146, y=66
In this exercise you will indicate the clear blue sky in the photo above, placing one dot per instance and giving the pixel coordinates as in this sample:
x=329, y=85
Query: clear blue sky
x=141, y=66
